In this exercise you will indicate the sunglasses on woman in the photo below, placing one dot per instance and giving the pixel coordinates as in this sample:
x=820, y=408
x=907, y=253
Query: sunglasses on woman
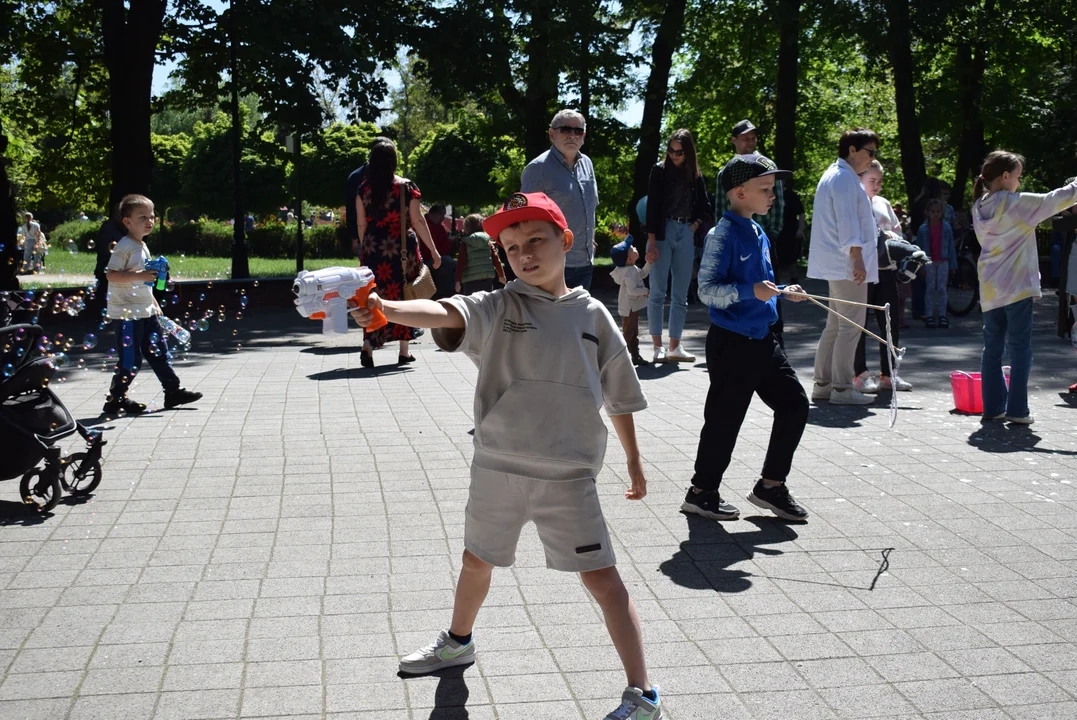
x=675, y=153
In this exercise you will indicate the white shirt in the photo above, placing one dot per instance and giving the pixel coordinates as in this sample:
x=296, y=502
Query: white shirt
x=885, y=217
x=129, y=301
x=842, y=219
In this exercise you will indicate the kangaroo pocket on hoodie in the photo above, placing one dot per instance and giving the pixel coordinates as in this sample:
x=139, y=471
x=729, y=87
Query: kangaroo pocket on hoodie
x=548, y=422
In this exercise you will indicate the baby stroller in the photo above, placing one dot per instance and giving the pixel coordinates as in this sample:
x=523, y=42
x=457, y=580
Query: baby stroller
x=33, y=420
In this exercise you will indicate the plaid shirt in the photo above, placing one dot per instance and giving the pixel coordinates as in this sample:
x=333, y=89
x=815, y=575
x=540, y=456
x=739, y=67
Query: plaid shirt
x=771, y=222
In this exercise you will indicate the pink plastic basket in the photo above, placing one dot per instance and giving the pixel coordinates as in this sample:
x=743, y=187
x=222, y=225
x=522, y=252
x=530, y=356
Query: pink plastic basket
x=968, y=393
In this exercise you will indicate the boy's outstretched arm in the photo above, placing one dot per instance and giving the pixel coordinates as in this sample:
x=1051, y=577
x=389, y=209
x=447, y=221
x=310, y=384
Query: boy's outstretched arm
x=413, y=313
x=625, y=427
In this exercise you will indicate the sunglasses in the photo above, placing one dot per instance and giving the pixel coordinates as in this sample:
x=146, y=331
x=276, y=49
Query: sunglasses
x=871, y=153
x=675, y=153
x=570, y=130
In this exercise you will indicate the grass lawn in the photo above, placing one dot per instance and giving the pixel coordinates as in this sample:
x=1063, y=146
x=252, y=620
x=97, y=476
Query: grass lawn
x=210, y=268
x=190, y=268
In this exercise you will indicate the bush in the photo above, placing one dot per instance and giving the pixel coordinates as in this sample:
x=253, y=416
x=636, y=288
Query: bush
x=212, y=238
x=81, y=231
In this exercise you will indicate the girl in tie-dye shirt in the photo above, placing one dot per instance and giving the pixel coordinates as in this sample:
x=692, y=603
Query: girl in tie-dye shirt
x=1005, y=222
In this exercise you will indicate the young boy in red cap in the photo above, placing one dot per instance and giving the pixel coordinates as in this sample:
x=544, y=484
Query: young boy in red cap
x=548, y=358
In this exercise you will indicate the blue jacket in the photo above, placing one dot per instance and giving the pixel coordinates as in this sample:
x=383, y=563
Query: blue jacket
x=923, y=239
x=735, y=258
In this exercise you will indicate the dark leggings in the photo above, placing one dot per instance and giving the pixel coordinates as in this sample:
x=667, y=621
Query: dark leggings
x=880, y=293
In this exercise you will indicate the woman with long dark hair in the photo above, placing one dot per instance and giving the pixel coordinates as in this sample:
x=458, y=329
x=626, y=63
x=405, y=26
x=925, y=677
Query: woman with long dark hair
x=377, y=207
x=676, y=207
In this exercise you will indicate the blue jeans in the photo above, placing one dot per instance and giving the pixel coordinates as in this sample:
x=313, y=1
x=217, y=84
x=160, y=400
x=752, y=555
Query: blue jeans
x=1008, y=327
x=676, y=255
x=579, y=276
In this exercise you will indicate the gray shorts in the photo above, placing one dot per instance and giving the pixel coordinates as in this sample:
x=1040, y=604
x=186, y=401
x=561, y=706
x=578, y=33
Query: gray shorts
x=567, y=515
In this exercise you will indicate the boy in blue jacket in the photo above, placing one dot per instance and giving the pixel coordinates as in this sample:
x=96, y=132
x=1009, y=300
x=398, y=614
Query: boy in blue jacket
x=744, y=357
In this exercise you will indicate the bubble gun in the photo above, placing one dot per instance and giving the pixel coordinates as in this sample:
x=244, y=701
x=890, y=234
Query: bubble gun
x=159, y=266
x=324, y=295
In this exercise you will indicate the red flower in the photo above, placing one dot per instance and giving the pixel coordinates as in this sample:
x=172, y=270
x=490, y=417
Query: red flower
x=384, y=272
x=392, y=291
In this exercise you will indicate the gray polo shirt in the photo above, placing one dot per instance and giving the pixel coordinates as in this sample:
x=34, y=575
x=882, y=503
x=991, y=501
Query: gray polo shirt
x=575, y=191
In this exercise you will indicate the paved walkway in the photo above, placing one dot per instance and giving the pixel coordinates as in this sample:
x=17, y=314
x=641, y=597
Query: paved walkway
x=274, y=551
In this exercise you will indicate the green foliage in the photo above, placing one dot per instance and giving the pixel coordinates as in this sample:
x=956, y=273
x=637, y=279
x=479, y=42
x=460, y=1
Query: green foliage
x=81, y=231
x=461, y=164
x=329, y=157
x=207, y=171
x=170, y=152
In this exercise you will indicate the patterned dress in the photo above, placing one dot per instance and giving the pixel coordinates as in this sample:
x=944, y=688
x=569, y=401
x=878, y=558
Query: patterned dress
x=380, y=251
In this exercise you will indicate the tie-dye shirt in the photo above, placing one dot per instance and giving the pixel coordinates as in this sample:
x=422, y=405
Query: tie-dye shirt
x=1005, y=224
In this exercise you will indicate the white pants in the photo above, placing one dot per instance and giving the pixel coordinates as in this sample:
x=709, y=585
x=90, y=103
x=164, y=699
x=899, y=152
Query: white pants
x=937, y=273
x=836, y=354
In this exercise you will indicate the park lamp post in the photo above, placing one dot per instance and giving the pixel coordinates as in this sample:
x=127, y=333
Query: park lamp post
x=292, y=145
x=240, y=264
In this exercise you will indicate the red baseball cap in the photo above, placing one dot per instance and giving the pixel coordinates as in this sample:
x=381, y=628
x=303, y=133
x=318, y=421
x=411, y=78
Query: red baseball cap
x=521, y=207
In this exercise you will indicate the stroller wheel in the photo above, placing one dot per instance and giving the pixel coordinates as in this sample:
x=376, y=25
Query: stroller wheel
x=84, y=477
x=40, y=489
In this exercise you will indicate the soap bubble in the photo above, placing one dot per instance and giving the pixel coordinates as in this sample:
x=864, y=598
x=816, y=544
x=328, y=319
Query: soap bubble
x=243, y=302
x=203, y=324
x=170, y=286
x=193, y=325
x=90, y=244
x=154, y=337
x=59, y=360
x=75, y=306
x=89, y=342
x=9, y=370
x=127, y=341
x=201, y=297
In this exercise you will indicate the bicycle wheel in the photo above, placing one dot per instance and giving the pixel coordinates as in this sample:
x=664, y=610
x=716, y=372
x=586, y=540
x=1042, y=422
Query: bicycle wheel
x=40, y=489
x=963, y=288
x=85, y=477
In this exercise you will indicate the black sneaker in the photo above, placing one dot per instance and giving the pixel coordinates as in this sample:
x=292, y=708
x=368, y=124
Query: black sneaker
x=115, y=406
x=708, y=504
x=778, y=501
x=638, y=360
x=181, y=397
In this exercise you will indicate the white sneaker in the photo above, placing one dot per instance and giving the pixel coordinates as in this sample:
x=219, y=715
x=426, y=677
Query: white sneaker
x=865, y=383
x=443, y=653
x=679, y=354
x=820, y=392
x=850, y=397
x=886, y=383
x=1026, y=420
x=660, y=355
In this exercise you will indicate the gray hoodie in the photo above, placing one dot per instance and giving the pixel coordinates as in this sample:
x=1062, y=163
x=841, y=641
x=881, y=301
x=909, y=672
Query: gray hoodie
x=546, y=366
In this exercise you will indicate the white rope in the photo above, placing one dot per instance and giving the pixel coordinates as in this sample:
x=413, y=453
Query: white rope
x=895, y=353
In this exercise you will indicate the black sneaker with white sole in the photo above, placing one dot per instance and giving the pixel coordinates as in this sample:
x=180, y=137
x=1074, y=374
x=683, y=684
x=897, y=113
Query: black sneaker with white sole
x=708, y=504
x=778, y=500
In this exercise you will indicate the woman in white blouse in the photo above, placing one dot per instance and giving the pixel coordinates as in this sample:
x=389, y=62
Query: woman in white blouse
x=882, y=292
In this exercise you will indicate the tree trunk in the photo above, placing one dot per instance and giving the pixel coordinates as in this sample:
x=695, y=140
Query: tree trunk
x=666, y=42
x=785, y=140
x=130, y=43
x=542, y=80
x=971, y=65
x=585, y=72
x=912, y=151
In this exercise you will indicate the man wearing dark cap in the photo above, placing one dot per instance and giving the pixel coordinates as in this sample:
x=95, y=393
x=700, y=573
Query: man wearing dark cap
x=744, y=357
x=745, y=139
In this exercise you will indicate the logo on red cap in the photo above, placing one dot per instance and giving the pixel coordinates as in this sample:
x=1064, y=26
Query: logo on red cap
x=516, y=201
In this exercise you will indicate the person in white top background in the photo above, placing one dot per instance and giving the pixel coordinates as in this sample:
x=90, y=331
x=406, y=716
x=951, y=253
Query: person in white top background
x=34, y=245
x=883, y=292
x=843, y=252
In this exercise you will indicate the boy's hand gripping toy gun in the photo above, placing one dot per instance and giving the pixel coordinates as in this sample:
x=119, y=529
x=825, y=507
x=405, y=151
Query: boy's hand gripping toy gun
x=324, y=295
x=159, y=266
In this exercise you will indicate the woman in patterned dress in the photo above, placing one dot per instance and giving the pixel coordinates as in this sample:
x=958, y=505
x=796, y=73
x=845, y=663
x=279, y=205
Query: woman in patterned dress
x=377, y=206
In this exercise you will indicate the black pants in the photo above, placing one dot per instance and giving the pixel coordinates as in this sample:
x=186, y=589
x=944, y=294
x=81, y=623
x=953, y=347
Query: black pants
x=136, y=339
x=880, y=293
x=740, y=367
x=471, y=287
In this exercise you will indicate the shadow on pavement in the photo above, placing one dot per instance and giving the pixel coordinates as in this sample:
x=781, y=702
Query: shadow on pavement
x=703, y=561
x=997, y=437
x=655, y=371
x=332, y=349
x=17, y=513
x=843, y=416
x=360, y=372
x=450, y=695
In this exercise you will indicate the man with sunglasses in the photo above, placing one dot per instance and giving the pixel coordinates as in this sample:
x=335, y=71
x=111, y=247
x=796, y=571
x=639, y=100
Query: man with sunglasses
x=844, y=252
x=567, y=176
